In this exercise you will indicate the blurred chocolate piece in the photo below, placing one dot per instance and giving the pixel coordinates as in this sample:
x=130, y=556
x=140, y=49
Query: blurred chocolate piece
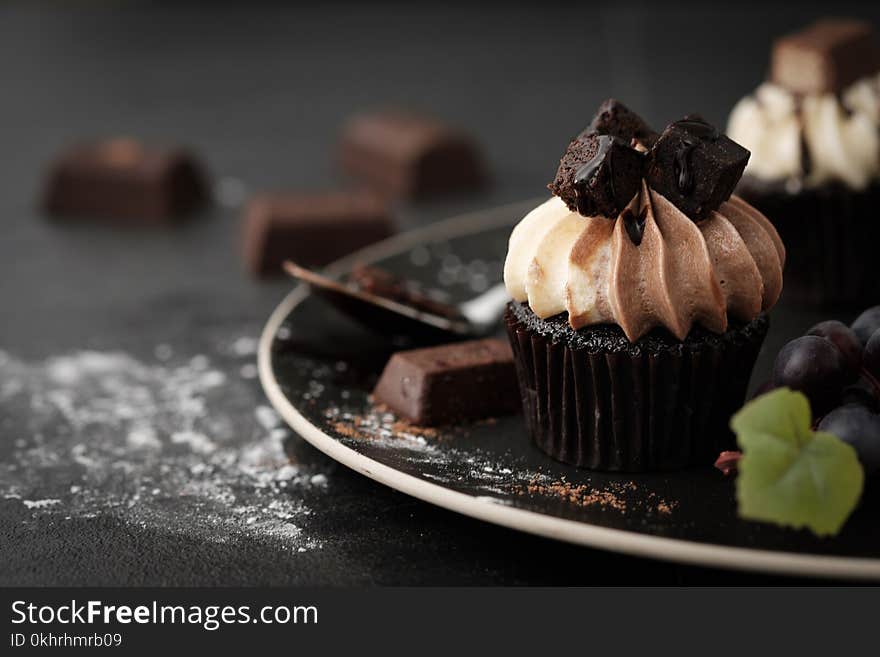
x=615, y=118
x=825, y=57
x=453, y=382
x=410, y=156
x=126, y=180
x=695, y=167
x=382, y=283
x=312, y=229
x=598, y=175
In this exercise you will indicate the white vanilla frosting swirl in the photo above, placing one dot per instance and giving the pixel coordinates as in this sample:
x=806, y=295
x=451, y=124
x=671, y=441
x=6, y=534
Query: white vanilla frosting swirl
x=841, y=135
x=729, y=264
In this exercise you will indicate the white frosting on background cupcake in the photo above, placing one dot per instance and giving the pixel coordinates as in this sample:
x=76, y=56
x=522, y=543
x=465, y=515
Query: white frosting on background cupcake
x=841, y=135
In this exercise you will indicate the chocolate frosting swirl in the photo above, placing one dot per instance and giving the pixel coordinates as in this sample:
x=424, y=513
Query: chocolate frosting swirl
x=680, y=273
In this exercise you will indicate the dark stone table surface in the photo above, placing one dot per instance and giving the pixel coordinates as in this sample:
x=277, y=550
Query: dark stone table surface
x=136, y=446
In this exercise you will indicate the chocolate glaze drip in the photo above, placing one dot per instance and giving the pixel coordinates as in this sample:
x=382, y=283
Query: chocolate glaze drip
x=697, y=130
x=635, y=224
x=585, y=173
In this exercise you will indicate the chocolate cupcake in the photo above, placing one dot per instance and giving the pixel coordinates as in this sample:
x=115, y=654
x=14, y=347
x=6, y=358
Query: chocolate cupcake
x=814, y=132
x=639, y=296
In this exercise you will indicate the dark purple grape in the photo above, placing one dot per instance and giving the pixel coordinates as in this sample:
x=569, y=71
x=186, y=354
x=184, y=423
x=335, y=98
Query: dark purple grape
x=843, y=338
x=867, y=324
x=859, y=427
x=872, y=355
x=861, y=393
x=814, y=366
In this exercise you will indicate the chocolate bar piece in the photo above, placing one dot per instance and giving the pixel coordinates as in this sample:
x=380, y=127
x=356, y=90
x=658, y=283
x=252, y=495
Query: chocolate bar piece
x=461, y=381
x=125, y=179
x=312, y=229
x=695, y=166
x=615, y=118
x=409, y=156
x=598, y=175
x=825, y=57
x=381, y=283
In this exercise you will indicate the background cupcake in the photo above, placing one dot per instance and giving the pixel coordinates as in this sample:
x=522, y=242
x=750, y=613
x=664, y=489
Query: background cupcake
x=814, y=132
x=639, y=296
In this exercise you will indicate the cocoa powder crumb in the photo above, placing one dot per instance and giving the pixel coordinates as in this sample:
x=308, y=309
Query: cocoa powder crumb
x=348, y=430
x=612, y=497
x=664, y=508
x=402, y=426
x=379, y=424
x=581, y=495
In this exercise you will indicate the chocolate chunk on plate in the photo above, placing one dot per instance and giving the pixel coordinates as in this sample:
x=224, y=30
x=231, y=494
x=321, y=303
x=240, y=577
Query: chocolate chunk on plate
x=124, y=179
x=825, y=57
x=598, y=175
x=408, y=155
x=615, y=118
x=454, y=382
x=695, y=166
x=311, y=228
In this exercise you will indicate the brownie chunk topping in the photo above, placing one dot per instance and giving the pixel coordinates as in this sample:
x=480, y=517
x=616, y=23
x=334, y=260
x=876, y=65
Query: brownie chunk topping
x=615, y=118
x=598, y=175
x=695, y=166
x=691, y=164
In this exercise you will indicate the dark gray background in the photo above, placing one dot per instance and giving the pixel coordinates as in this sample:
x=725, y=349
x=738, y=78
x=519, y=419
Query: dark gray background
x=259, y=92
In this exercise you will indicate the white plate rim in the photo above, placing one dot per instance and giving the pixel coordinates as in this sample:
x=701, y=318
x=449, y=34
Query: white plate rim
x=482, y=508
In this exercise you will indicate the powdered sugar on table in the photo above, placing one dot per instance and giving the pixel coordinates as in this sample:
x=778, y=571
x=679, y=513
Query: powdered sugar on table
x=173, y=443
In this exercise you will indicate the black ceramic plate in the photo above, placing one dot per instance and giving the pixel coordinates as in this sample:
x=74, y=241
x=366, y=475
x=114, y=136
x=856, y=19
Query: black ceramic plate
x=318, y=368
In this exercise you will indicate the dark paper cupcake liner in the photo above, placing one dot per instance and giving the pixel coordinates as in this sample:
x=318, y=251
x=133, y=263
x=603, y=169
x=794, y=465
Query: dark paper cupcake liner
x=636, y=409
x=831, y=235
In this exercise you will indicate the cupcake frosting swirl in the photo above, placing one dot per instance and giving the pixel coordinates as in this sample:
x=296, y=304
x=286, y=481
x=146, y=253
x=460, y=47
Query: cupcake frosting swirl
x=681, y=273
x=810, y=140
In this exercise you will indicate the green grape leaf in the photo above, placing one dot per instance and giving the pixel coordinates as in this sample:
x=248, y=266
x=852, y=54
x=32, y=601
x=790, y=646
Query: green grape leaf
x=790, y=475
